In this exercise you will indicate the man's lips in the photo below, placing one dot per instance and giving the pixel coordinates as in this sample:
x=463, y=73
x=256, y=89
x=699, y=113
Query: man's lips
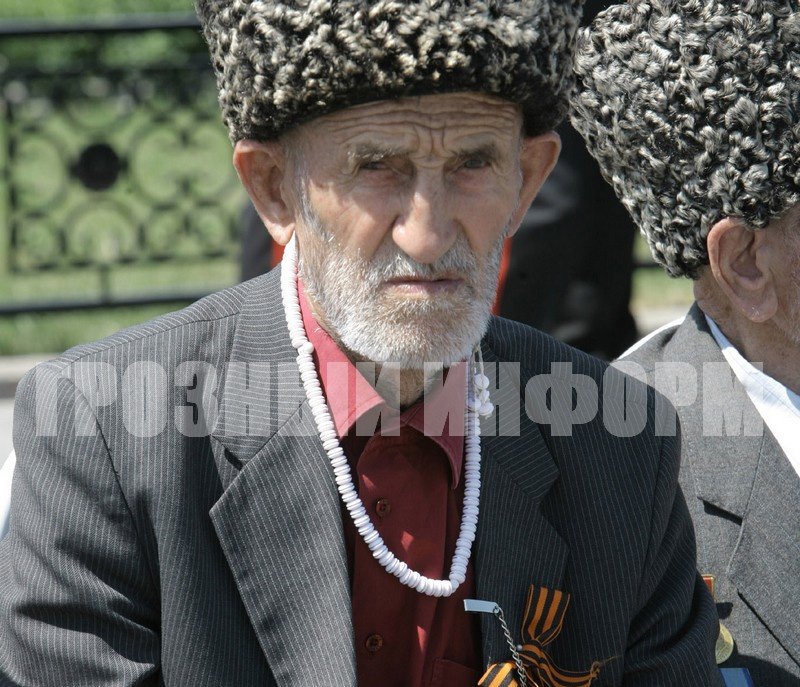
x=421, y=287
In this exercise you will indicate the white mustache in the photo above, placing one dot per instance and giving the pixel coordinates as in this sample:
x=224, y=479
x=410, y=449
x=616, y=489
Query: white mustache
x=391, y=263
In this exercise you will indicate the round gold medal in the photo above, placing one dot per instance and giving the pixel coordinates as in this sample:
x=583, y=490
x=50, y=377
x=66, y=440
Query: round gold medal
x=724, y=646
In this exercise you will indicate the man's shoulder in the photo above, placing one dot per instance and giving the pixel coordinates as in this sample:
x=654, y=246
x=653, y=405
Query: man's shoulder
x=685, y=341
x=650, y=348
x=548, y=366
x=179, y=335
x=535, y=351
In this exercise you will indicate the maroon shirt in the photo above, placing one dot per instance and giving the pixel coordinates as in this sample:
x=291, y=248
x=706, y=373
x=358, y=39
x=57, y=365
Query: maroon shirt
x=412, y=487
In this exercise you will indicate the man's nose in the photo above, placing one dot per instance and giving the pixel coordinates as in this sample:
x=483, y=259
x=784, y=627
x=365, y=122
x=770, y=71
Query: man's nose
x=426, y=229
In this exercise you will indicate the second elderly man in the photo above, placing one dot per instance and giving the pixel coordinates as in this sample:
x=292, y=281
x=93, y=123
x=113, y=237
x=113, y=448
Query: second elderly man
x=693, y=110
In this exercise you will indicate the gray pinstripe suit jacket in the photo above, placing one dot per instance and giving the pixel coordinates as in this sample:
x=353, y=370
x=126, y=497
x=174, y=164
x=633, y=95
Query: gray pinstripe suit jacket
x=219, y=559
x=744, y=498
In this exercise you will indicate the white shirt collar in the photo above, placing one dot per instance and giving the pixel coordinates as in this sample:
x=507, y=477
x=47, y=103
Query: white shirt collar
x=778, y=406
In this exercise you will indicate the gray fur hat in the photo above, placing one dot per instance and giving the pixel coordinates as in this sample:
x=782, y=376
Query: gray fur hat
x=692, y=109
x=280, y=63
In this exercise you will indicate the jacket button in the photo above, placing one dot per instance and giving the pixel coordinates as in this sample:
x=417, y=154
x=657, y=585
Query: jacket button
x=374, y=643
x=383, y=507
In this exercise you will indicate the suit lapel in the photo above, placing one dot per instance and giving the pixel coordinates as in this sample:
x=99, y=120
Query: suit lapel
x=750, y=478
x=765, y=566
x=723, y=467
x=281, y=492
x=279, y=520
x=515, y=545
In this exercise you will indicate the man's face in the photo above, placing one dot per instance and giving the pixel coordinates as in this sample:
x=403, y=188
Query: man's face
x=787, y=270
x=403, y=215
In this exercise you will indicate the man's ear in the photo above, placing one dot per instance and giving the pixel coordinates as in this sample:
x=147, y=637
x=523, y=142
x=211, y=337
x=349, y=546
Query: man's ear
x=739, y=257
x=537, y=159
x=262, y=171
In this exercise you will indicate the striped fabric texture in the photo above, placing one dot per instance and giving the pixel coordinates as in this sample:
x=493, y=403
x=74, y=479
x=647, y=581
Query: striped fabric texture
x=183, y=527
x=500, y=675
x=744, y=498
x=544, y=617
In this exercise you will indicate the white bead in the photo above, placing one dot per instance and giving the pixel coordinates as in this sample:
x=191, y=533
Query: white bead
x=460, y=562
x=320, y=411
x=356, y=509
x=328, y=435
x=317, y=402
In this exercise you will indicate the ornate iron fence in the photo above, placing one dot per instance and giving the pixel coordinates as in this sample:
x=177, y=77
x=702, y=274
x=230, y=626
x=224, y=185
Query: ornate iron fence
x=115, y=166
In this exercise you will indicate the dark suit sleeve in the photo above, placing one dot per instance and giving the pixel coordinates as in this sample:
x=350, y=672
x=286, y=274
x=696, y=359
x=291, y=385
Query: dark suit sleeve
x=672, y=635
x=77, y=599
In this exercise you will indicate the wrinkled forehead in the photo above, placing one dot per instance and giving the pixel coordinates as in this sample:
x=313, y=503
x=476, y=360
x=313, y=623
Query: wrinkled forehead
x=424, y=125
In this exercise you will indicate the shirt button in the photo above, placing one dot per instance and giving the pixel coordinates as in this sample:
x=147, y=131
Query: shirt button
x=374, y=643
x=383, y=507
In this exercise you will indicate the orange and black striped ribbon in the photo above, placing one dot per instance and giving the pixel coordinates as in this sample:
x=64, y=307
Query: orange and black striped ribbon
x=500, y=675
x=544, y=617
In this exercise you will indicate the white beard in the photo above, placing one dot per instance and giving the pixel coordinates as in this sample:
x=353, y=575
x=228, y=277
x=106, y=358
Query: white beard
x=383, y=327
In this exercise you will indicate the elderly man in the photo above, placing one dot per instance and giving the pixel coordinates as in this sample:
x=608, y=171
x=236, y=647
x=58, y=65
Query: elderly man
x=693, y=110
x=308, y=515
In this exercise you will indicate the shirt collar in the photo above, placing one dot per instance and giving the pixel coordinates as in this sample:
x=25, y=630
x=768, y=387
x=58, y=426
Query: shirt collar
x=337, y=373
x=756, y=382
x=778, y=405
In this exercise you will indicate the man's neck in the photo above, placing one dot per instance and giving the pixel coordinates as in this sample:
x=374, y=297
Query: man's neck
x=412, y=385
x=761, y=343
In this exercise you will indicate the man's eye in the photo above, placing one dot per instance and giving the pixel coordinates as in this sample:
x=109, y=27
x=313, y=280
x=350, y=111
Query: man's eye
x=475, y=163
x=373, y=165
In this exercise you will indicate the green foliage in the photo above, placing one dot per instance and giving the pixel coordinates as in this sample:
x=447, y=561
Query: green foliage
x=59, y=9
x=56, y=332
x=186, y=148
x=655, y=289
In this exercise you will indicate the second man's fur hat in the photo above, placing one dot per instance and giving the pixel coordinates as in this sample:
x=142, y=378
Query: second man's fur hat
x=692, y=108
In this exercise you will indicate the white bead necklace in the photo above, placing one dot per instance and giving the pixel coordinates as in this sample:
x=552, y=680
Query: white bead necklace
x=478, y=403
